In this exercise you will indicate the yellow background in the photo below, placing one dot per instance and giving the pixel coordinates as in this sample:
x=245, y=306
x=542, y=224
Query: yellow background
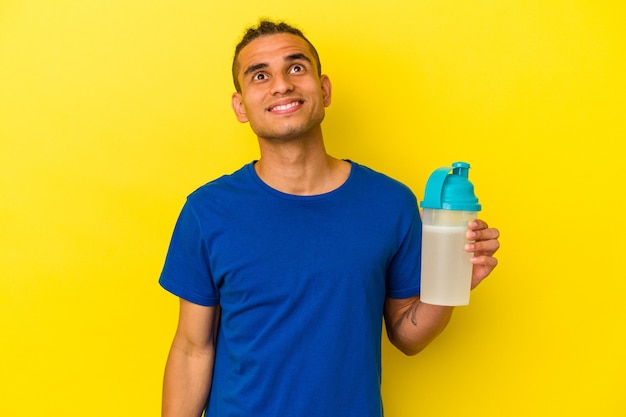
x=112, y=111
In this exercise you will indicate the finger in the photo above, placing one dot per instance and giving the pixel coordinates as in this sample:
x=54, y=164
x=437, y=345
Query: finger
x=483, y=247
x=477, y=224
x=485, y=260
x=483, y=234
x=483, y=266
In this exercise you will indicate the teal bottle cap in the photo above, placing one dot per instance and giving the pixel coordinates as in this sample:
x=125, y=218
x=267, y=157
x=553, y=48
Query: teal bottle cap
x=447, y=190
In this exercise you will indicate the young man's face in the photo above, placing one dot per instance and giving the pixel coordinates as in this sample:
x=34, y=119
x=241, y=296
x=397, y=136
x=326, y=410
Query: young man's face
x=281, y=94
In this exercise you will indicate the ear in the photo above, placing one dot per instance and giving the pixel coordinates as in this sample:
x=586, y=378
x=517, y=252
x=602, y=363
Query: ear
x=239, y=108
x=327, y=89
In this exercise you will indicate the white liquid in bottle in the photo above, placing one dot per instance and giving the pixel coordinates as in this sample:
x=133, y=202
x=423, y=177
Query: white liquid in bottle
x=446, y=267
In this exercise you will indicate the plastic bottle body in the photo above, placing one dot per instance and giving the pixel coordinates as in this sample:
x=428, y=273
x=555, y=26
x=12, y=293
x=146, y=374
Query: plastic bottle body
x=446, y=266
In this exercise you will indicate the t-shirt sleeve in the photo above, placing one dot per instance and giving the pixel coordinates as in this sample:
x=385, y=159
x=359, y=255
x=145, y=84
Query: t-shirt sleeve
x=187, y=272
x=403, y=274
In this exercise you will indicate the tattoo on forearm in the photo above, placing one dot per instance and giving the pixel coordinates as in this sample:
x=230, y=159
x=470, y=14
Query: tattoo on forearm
x=413, y=313
x=409, y=314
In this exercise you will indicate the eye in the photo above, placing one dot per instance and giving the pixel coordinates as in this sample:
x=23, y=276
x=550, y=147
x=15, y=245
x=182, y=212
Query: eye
x=259, y=76
x=297, y=68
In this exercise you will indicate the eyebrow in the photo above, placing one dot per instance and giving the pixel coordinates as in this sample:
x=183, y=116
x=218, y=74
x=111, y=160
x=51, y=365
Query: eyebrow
x=298, y=56
x=288, y=58
x=254, y=67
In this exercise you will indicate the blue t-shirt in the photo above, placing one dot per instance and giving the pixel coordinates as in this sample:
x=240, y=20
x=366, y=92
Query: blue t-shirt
x=301, y=281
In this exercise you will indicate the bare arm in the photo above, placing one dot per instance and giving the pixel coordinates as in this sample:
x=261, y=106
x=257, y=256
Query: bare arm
x=189, y=368
x=412, y=325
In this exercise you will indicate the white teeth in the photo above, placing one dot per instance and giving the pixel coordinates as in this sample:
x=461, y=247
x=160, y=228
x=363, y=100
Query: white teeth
x=285, y=106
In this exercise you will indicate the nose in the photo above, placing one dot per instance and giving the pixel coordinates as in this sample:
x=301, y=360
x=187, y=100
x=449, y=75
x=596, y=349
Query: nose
x=281, y=84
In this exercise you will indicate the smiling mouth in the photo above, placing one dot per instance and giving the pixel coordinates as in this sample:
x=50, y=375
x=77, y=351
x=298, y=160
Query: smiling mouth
x=285, y=107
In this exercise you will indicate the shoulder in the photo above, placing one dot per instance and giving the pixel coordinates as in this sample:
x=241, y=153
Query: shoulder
x=381, y=185
x=226, y=186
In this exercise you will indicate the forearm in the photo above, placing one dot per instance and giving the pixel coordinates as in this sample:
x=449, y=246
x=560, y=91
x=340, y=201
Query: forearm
x=412, y=325
x=187, y=381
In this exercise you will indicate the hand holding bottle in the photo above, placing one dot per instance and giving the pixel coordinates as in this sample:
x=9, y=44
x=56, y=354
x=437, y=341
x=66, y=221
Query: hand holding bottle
x=485, y=244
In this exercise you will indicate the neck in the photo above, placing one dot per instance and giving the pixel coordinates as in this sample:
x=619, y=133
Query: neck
x=300, y=167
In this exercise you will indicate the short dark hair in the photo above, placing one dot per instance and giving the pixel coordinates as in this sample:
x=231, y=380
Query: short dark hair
x=265, y=28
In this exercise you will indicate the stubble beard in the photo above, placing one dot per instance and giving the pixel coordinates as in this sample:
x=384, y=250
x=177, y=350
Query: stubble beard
x=289, y=132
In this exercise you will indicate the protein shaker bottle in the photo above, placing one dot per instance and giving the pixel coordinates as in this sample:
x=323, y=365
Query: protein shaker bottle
x=449, y=205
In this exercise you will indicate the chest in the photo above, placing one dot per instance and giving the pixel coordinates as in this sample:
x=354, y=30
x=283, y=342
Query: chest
x=281, y=252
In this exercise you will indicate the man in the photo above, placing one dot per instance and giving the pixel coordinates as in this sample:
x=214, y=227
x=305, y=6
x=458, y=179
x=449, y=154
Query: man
x=286, y=268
